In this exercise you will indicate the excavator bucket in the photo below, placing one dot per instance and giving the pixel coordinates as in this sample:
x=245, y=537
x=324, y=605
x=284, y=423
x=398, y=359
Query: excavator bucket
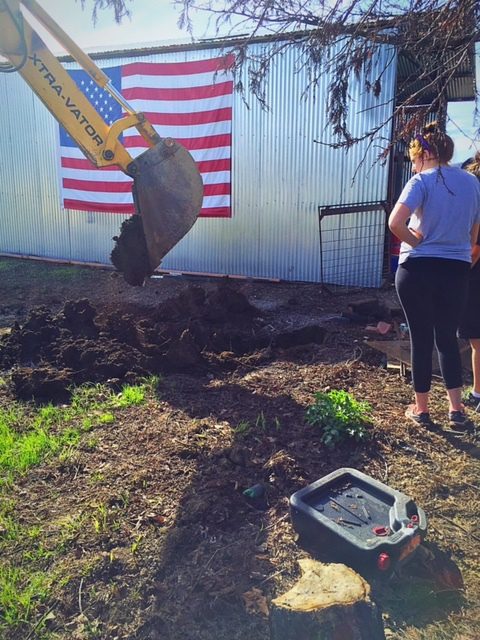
x=168, y=194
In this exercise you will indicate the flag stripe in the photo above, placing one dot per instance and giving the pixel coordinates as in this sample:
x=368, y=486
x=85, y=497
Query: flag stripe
x=149, y=104
x=177, y=68
x=204, y=166
x=189, y=119
x=126, y=205
x=179, y=82
x=216, y=189
x=177, y=94
x=216, y=201
x=80, y=205
x=222, y=164
x=103, y=177
x=102, y=207
x=194, y=131
x=199, y=155
x=208, y=142
x=102, y=196
x=216, y=212
x=93, y=186
x=94, y=175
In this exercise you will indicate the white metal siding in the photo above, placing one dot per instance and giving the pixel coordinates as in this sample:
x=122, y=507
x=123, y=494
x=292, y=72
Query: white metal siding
x=279, y=178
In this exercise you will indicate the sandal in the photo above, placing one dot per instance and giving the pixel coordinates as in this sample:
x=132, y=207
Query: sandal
x=422, y=418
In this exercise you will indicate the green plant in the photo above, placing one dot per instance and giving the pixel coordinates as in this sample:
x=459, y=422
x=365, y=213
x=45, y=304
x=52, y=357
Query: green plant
x=89, y=397
x=20, y=590
x=130, y=396
x=243, y=427
x=339, y=416
x=97, y=477
x=69, y=528
x=9, y=527
x=91, y=444
x=106, y=418
x=134, y=547
x=100, y=519
x=21, y=445
x=261, y=422
x=38, y=552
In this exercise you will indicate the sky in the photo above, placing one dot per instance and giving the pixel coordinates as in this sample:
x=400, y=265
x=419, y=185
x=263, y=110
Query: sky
x=152, y=21
x=461, y=114
x=155, y=21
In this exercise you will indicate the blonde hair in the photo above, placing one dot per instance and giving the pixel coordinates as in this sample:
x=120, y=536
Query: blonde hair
x=432, y=140
x=474, y=167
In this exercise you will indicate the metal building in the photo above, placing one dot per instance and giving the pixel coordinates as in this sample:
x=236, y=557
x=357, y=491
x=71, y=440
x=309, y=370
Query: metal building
x=287, y=189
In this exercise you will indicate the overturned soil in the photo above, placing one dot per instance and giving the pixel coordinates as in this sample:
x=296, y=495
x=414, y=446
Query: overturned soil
x=195, y=332
x=188, y=555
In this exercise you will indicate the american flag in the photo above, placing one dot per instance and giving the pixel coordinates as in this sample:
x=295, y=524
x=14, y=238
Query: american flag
x=188, y=101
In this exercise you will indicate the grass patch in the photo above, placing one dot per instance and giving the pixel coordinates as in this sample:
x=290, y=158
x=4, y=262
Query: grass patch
x=243, y=428
x=20, y=593
x=8, y=525
x=261, y=425
x=25, y=439
x=44, y=271
x=28, y=436
x=67, y=273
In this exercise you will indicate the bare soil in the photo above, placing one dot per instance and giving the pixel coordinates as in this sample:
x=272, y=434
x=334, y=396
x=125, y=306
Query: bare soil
x=187, y=555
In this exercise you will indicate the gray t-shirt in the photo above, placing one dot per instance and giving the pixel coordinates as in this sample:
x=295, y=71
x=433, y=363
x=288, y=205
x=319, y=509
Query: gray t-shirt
x=445, y=205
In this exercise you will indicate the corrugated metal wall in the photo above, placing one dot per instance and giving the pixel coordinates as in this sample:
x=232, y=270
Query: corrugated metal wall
x=280, y=178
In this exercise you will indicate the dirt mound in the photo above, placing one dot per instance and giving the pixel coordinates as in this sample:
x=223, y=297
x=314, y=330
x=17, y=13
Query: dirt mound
x=193, y=332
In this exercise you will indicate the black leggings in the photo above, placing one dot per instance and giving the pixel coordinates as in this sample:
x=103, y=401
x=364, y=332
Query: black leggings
x=433, y=293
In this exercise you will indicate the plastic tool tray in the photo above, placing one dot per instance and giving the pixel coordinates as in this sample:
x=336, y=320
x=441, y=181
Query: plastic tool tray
x=358, y=520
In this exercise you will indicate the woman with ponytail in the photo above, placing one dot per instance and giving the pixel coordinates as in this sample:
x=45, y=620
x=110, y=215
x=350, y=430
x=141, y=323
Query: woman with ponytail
x=437, y=218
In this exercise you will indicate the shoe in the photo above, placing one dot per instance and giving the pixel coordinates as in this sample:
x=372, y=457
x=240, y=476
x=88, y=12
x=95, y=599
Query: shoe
x=472, y=402
x=459, y=421
x=422, y=418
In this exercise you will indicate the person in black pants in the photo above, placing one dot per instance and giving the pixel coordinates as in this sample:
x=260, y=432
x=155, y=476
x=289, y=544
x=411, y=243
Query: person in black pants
x=437, y=219
x=470, y=323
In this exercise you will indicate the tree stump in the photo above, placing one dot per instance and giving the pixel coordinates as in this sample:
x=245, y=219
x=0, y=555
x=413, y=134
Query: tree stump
x=329, y=602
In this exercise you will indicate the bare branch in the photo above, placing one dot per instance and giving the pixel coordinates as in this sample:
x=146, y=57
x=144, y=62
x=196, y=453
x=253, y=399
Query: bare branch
x=435, y=37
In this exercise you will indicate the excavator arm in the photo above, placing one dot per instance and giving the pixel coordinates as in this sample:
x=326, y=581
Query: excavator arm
x=167, y=187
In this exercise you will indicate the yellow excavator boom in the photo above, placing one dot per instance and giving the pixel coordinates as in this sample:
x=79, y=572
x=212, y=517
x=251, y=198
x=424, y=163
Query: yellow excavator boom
x=167, y=186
